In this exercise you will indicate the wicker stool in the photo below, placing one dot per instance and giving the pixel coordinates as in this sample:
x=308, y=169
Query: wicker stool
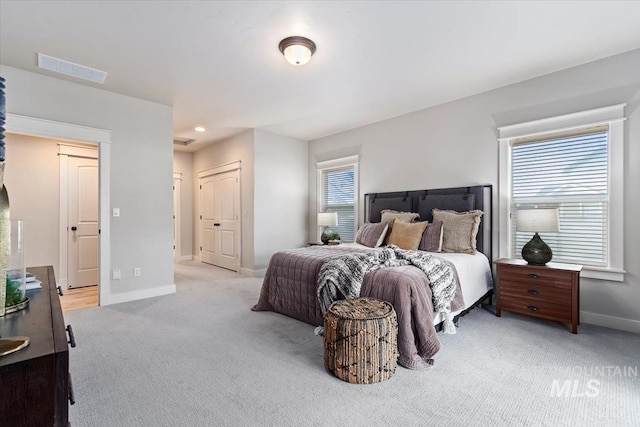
x=361, y=340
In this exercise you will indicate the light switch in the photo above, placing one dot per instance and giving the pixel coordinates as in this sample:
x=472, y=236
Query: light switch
x=116, y=211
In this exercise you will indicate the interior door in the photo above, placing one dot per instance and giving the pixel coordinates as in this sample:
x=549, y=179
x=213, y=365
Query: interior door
x=82, y=223
x=219, y=219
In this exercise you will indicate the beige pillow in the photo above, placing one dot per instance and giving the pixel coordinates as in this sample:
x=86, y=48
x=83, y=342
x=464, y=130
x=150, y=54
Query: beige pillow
x=459, y=230
x=406, y=235
x=389, y=215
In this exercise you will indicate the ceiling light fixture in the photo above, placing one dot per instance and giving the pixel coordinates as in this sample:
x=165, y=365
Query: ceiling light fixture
x=200, y=129
x=297, y=50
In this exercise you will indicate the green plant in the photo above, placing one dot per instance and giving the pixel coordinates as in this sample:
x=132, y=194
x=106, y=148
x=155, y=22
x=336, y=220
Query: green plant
x=15, y=295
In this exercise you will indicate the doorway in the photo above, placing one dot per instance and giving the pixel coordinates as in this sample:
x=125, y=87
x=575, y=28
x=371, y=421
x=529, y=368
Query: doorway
x=219, y=223
x=25, y=125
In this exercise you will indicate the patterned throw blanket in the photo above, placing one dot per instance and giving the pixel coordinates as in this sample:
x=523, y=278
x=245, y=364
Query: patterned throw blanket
x=345, y=274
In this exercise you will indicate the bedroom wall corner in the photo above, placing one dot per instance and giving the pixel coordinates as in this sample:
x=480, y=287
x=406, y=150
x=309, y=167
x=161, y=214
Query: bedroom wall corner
x=280, y=195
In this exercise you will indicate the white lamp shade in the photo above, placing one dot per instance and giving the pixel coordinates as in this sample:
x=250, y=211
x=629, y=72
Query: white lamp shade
x=297, y=54
x=537, y=220
x=328, y=219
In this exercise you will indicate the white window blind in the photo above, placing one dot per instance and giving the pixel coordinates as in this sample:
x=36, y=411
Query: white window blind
x=568, y=172
x=338, y=195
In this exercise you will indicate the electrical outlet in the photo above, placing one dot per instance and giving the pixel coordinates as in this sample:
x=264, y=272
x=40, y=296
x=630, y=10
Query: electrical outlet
x=137, y=272
x=115, y=274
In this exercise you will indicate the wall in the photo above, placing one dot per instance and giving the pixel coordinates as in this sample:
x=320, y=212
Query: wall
x=183, y=164
x=280, y=195
x=455, y=144
x=140, y=171
x=33, y=184
x=237, y=148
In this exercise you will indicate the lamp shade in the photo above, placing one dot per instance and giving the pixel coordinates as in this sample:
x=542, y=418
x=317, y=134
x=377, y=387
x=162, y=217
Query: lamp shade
x=329, y=219
x=537, y=220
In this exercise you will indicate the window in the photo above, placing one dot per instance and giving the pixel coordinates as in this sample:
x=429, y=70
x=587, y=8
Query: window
x=570, y=163
x=338, y=193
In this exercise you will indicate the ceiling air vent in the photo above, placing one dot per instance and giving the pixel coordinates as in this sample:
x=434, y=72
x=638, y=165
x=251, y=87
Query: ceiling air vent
x=182, y=141
x=61, y=66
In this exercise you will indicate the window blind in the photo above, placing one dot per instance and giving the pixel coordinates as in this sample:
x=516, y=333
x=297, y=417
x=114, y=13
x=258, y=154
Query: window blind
x=338, y=195
x=569, y=173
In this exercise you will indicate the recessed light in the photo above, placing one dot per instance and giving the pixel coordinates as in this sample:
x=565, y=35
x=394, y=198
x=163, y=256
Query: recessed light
x=200, y=129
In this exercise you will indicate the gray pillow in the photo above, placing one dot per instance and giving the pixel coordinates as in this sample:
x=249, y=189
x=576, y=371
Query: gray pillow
x=460, y=230
x=372, y=234
x=432, y=237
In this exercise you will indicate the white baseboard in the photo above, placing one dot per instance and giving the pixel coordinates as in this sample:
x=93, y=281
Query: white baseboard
x=253, y=273
x=184, y=258
x=612, y=322
x=136, y=295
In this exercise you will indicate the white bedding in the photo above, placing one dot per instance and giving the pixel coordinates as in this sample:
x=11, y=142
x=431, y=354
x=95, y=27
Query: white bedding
x=474, y=272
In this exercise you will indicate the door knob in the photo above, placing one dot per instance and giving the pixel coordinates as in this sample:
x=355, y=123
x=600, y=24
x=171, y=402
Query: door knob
x=74, y=228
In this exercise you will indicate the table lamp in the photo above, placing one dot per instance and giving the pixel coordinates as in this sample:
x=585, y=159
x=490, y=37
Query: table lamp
x=327, y=219
x=536, y=251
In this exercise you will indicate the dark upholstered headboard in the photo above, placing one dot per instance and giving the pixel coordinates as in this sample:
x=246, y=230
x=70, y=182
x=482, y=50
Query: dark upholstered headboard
x=423, y=201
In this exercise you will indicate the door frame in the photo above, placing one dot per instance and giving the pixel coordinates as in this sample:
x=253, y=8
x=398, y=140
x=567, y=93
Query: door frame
x=226, y=167
x=33, y=126
x=177, y=183
x=66, y=150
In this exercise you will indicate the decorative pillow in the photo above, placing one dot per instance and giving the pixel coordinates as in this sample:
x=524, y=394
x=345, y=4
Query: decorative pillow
x=432, y=237
x=372, y=234
x=406, y=235
x=388, y=215
x=459, y=230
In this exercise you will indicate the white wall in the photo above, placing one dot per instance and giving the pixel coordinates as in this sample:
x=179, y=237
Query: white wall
x=455, y=144
x=140, y=173
x=183, y=164
x=237, y=148
x=33, y=183
x=280, y=195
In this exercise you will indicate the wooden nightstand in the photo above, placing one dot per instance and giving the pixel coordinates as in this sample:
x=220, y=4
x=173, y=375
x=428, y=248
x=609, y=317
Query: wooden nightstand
x=550, y=291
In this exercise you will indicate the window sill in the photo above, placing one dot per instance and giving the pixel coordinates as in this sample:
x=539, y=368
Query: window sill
x=611, y=274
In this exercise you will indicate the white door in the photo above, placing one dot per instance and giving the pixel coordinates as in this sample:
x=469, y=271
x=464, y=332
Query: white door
x=219, y=219
x=82, y=222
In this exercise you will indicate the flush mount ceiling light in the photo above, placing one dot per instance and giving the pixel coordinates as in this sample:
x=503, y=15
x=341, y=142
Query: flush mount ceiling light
x=297, y=50
x=200, y=129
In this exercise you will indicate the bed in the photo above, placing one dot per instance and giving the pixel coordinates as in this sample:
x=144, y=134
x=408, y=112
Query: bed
x=290, y=285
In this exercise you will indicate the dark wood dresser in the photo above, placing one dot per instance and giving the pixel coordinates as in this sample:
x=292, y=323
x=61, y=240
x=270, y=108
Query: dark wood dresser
x=550, y=291
x=34, y=381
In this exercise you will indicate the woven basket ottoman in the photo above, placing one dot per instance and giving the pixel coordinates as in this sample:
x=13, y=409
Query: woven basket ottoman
x=361, y=340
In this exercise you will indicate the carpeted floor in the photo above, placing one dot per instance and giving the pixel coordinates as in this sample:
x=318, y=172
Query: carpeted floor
x=200, y=357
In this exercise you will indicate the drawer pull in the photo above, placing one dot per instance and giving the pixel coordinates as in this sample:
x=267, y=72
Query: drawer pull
x=72, y=338
x=72, y=396
x=533, y=292
x=533, y=275
x=533, y=308
x=59, y=291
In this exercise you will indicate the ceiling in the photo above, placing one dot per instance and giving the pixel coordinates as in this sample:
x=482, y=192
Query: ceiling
x=218, y=63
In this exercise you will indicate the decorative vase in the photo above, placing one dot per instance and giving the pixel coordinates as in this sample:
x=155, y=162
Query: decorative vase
x=15, y=297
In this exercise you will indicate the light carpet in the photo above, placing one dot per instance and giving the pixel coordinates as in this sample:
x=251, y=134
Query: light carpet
x=200, y=357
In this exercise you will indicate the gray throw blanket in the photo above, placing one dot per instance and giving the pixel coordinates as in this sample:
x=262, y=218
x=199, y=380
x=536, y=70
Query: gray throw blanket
x=345, y=275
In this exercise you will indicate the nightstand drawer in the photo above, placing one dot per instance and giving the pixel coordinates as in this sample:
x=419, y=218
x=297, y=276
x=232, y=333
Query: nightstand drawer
x=543, y=309
x=536, y=276
x=535, y=292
